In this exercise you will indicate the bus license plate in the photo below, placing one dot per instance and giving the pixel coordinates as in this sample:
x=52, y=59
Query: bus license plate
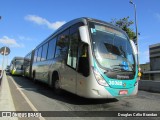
x=123, y=92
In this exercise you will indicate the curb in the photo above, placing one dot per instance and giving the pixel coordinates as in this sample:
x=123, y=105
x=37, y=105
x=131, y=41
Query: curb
x=6, y=101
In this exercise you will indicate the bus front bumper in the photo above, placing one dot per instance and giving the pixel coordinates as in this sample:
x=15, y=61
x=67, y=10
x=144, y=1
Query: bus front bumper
x=108, y=92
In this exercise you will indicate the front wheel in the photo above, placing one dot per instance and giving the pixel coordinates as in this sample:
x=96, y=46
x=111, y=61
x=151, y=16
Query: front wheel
x=56, y=87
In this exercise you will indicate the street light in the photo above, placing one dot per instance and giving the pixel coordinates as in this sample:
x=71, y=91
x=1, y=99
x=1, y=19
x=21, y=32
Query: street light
x=135, y=13
x=136, y=26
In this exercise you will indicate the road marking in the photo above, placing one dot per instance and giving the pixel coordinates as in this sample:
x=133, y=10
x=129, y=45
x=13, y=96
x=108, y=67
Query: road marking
x=33, y=89
x=25, y=97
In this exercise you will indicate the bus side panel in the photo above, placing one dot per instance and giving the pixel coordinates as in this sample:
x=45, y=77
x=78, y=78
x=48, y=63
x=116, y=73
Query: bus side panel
x=41, y=71
x=54, y=66
x=89, y=88
x=69, y=79
x=67, y=75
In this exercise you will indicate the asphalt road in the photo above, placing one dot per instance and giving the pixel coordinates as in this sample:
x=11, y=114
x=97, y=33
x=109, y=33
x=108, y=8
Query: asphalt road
x=28, y=96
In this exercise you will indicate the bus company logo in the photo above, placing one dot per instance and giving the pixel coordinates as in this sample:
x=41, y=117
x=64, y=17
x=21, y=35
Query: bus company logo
x=6, y=114
x=124, y=84
x=122, y=77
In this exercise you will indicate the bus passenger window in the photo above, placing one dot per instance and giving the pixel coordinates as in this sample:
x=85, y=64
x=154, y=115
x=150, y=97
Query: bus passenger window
x=51, y=48
x=73, y=50
x=62, y=44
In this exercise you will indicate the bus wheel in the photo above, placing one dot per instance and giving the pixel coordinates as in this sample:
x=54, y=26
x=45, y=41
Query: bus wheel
x=57, y=88
x=56, y=83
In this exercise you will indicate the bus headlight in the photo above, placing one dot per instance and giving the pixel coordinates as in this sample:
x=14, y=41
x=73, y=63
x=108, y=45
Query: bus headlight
x=99, y=78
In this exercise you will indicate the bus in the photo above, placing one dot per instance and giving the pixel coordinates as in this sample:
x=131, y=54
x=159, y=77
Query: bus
x=88, y=57
x=16, y=66
x=27, y=65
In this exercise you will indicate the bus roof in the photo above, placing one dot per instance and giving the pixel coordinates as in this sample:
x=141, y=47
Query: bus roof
x=18, y=58
x=85, y=20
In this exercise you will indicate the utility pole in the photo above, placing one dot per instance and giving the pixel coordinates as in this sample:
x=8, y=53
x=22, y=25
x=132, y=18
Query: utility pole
x=136, y=41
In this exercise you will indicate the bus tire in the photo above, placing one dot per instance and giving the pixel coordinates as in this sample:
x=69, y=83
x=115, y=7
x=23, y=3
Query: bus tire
x=56, y=83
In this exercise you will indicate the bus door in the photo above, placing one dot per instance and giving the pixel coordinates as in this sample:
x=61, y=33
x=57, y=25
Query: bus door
x=71, y=69
x=83, y=69
x=69, y=81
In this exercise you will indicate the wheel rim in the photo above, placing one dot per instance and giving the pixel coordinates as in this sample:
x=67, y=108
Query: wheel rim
x=56, y=85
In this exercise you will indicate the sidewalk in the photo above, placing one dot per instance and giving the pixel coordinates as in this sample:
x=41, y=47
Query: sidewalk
x=6, y=101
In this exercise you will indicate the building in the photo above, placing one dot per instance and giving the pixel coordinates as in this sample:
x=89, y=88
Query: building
x=151, y=71
x=154, y=52
x=145, y=67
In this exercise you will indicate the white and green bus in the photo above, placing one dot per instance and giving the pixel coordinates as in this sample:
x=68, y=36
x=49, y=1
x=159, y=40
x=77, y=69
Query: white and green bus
x=88, y=57
x=16, y=66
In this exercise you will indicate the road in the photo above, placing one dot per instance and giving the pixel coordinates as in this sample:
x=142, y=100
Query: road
x=28, y=96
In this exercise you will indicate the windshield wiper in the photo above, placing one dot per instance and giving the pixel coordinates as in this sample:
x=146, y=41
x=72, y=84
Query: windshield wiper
x=121, y=68
x=107, y=70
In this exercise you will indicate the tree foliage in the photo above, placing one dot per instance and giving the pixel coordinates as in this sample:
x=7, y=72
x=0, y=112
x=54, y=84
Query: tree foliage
x=125, y=24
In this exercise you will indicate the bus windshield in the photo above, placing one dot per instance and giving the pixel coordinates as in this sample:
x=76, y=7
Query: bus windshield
x=18, y=64
x=112, y=48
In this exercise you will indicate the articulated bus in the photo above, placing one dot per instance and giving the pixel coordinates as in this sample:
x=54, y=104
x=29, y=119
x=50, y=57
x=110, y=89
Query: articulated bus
x=16, y=66
x=88, y=57
x=27, y=65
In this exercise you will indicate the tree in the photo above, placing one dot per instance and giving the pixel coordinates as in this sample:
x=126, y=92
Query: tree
x=125, y=24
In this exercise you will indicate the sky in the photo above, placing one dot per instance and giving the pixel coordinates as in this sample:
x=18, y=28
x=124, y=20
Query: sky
x=26, y=23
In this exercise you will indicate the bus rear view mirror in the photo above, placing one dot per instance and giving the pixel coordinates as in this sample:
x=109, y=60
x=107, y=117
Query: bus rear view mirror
x=84, y=34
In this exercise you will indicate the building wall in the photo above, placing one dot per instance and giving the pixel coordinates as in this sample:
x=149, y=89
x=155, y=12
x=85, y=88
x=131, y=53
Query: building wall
x=155, y=63
x=145, y=67
x=156, y=77
x=154, y=72
x=154, y=51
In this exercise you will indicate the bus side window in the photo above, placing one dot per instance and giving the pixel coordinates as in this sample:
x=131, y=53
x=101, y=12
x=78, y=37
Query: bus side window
x=83, y=66
x=62, y=44
x=73, y=46
x=35, y=55
x=73, y=50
